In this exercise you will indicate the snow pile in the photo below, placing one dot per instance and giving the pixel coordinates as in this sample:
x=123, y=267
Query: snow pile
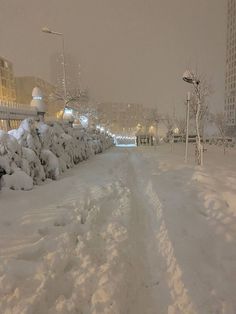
x=18, y=180
x=36, y=151
x=14, y=168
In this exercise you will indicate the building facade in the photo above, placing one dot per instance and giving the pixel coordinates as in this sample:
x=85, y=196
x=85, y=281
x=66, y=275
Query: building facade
x=72, y=68
x=24, y=87
x=230, y=75
x=7, y=88
x=125, y=118
x=7, y=81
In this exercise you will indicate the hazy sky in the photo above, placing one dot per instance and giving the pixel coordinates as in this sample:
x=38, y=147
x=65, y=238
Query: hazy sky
x=129, y=50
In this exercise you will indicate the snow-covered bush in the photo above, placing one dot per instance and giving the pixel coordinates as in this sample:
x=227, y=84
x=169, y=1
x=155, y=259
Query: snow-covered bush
x=19, y=180
x=27, y=135
x=36, y=151
x=51, y=163
x=36, y=170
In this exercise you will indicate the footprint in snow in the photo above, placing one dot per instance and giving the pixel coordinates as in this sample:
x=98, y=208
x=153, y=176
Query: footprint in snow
x=60, y=222
x=43, y=231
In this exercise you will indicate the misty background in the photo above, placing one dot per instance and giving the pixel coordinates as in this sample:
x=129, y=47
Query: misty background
x=128, y=50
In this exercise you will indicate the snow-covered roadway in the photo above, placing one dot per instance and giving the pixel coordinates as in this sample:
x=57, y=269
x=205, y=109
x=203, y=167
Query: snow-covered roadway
x=131, y=231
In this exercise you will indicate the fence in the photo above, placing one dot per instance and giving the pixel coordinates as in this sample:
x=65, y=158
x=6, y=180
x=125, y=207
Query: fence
x=12, y=113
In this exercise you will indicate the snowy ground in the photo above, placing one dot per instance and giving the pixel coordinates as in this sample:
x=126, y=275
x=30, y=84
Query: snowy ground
x=131, y=231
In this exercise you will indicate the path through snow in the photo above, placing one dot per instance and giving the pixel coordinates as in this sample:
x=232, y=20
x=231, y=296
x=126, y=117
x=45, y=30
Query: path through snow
x=129, y=232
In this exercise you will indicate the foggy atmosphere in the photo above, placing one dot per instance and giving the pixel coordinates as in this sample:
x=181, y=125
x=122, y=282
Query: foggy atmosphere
x=117, y=157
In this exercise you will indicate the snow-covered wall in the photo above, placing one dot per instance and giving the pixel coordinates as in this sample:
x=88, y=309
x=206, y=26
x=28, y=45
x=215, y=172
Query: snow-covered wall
x=36, y=151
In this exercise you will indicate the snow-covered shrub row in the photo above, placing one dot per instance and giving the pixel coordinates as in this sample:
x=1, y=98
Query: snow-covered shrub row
x=36, y=151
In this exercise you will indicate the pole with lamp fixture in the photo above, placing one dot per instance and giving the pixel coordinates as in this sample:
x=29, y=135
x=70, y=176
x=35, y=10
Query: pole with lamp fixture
x=187, y=127
x=48, y=31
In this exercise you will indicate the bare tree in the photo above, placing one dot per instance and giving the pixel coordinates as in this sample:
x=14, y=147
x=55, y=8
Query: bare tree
x=221, y=124
x=181, y=124
x=154, y=115
x=201, y=94
x=72, y=98
x=199, y=107
x=153, y=118
x=169, y=122
x=77, y=100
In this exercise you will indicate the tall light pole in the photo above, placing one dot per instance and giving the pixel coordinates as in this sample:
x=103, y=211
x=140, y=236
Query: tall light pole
x=48, y=31
x=187, y=127
x=190, y=77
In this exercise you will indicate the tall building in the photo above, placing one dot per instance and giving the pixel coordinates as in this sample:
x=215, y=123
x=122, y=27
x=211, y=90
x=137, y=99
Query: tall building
x=230, y=75
x=72, y=71
x=7, y=81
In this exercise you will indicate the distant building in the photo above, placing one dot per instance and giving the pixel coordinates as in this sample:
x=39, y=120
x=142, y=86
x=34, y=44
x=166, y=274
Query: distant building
x=24, y=87
x=72, y=71
x=7, y=88
x=230, y=75
x=124, y=118
x=7, y=81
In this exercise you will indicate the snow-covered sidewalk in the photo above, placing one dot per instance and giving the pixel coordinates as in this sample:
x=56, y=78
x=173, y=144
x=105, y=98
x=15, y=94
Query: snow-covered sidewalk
x=130, y=231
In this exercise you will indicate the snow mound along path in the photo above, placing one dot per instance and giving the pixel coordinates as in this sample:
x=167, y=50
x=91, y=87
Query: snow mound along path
x=19, y=180
x=36, y=151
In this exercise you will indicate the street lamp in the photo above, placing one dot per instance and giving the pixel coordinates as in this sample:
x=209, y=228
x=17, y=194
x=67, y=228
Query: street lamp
x=187, y=127
x=48, y=31
x=191, y=78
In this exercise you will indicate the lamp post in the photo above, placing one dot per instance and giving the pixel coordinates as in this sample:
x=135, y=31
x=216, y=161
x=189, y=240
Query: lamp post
x=48, y=31
x=187, y=127
x=190, y=78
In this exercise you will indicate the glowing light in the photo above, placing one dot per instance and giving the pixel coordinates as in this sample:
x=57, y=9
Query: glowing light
x=84, y=121
x=176, y=130
x=59, y=114
x=68, y=111
x=37, y=97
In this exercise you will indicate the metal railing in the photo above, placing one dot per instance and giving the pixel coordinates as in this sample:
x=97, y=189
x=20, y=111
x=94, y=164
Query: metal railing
x=15, y=111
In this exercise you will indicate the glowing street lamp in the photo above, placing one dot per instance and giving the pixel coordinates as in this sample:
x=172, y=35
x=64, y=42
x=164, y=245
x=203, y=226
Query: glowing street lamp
x=48, y=31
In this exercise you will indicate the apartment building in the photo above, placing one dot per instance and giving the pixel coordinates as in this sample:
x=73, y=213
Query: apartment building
x=230, y=75
x=7, y=81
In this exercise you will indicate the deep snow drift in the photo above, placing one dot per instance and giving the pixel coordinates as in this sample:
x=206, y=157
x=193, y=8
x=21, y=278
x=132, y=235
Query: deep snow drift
x=131, y=231
x=37, y=151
